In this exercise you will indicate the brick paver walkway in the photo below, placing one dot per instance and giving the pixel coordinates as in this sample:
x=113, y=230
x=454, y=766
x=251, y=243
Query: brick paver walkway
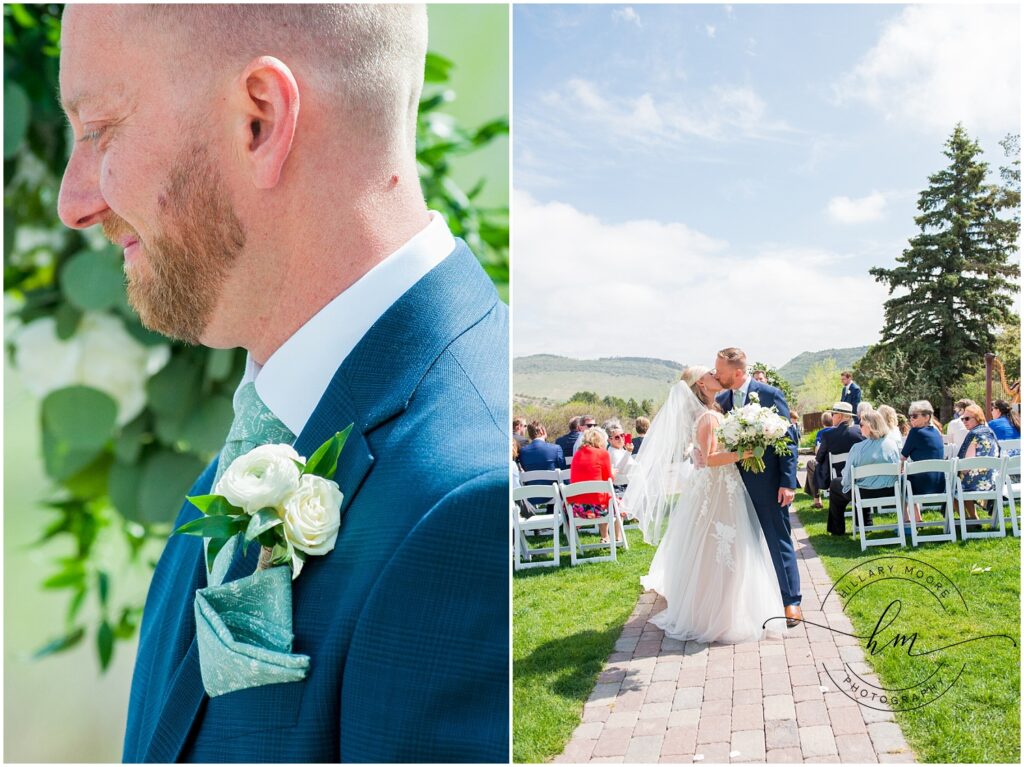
x=662, y=700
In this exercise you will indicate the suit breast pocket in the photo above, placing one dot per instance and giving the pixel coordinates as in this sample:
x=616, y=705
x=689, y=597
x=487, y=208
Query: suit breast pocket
x=256, y=709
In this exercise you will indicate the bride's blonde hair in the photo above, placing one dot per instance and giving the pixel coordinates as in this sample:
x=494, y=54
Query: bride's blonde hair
x=690, y=377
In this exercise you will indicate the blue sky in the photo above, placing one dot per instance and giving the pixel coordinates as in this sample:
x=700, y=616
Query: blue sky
x=711, y=175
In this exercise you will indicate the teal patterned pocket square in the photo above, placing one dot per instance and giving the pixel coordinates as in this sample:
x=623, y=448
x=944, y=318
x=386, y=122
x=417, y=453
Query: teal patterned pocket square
x=244, y=631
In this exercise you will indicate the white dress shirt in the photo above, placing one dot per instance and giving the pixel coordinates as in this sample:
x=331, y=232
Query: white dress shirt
x=295, y=377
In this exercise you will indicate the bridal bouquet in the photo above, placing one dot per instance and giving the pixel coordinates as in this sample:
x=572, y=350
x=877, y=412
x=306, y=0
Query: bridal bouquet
x=756, y=429
x=274, y=496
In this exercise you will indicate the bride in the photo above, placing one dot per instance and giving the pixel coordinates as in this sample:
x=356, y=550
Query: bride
x=713, y=565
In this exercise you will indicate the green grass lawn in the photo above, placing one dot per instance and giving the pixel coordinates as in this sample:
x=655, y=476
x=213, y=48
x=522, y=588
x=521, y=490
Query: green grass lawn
x=978, y=720
x=565, y=624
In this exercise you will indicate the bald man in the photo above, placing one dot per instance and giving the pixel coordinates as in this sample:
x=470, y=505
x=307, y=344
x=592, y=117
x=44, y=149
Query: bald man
x=257, y=166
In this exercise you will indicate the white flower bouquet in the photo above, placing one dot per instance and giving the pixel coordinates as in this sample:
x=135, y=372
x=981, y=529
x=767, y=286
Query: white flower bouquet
x=274, y=496
x=754, y=428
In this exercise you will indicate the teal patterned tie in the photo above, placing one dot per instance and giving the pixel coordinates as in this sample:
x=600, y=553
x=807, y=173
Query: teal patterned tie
x=254, y=425
x=244, y=628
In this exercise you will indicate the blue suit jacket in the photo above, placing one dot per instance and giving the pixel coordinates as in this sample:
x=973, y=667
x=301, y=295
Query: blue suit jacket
x=539, y=454
x=406, y=621
x=852, y=394
x=780, y=471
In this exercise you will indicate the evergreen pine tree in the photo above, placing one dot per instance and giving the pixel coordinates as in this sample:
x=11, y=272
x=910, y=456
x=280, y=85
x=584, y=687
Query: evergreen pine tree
x=952, y=286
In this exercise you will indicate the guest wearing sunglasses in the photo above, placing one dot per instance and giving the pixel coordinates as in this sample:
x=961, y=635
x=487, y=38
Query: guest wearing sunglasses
x=923, y=443
x=980, y=441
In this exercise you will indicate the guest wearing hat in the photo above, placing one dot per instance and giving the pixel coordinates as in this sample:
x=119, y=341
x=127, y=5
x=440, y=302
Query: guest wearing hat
x=838, y=441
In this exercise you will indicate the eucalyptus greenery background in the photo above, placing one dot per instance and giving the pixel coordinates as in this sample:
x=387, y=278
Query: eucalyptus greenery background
x=112, y=486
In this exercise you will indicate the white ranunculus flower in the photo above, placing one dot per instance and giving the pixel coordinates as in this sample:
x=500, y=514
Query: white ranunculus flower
x=312, y=515
x=101, y=354
x=265, y=476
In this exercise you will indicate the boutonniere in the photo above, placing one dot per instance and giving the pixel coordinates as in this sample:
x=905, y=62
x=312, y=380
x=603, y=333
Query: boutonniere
x=273, y=496
x=753, y=397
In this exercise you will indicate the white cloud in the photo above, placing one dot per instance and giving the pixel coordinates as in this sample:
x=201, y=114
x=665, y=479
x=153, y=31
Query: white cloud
x=586, y=288
x=627, y=14
x=860, y=210
x=720, y=113
x=709, y=29
x=935, y=65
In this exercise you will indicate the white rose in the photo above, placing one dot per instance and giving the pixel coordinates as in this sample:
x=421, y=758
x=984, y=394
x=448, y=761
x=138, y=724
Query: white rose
x=44, y=362
x=312, y=515
x=265, y=476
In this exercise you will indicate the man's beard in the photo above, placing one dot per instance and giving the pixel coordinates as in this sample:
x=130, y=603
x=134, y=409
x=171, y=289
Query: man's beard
x=179, y=279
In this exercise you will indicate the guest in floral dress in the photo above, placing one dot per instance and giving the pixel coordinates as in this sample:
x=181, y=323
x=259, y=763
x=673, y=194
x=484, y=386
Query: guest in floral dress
x=980, y=441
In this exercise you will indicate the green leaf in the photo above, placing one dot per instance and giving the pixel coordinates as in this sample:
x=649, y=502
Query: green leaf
x=103, y=583
x=219, y=363
x=60, y=644
x=166, y=478
x=67, y=317
x=260, y=522
x=437, y=69
x=65, y=579
x=175, y=388
x=125, y=627
x=212, y=550
x=129, y=444
x=93, y=280
x=123, y=485
x=91, y=480
x=76, y=603
x=17, y=114
x=105, y=644
x=207, y=427
x=80, y=416
x=211, y=527
x=213, y=505
x=324, y=462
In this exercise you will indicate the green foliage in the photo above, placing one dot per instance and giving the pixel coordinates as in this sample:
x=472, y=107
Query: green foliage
x=821, y=387
x=797, y=368
x=128, y=480
x=587, y=397
x=952, y=286
x=776, y=380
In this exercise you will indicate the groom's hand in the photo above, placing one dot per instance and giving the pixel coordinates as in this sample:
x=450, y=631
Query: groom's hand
x=786, y=496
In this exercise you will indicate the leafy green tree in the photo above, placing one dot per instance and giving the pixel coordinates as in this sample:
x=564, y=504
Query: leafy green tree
x=586, y=397
x=119, y=483
x=821, y=386
x=647, y=406
x=952, y=286
x=776, y=380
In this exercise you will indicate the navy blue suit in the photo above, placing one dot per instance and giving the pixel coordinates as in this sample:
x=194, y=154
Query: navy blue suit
x=408, y=641
x=763, y=488
x=851, y=394
x=567, y=442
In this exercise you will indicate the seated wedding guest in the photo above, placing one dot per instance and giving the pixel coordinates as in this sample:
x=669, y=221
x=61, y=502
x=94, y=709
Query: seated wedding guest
x=851, y=391
x=519, y=431
x=956, y=431
x=923, y=443
x=1005, y=423
x=591, y=461
x=540, y=454
x=622, y=461
x=816, y=478
x=980, y=441
x=904, y=424
x=874, y=448
x=586, y=422
x=843, y=435
x=893, y=422
x=516, y=468
x=568, y=440
x=862, y=408
x=642, y=425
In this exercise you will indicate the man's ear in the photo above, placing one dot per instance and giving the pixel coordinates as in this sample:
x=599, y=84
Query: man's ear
x=269, y=112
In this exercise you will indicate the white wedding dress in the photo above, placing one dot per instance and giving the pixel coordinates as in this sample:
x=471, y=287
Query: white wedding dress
x=712, y=566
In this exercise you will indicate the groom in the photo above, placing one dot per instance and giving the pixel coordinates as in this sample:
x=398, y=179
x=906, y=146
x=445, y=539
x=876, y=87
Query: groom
x=257, y=164
x=772, y=490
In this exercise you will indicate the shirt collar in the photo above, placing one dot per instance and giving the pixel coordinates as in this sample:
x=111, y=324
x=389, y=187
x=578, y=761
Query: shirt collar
x=297, y=374
x=744, y=387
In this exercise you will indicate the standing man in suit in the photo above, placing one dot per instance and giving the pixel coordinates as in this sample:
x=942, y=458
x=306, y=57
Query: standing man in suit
x=257, y=165
x=838, y=440
x=568, y=440
x=772, y=491
x=851, y=393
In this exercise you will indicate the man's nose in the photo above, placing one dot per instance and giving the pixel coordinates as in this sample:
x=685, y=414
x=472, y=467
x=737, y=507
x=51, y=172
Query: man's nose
x=81, y=202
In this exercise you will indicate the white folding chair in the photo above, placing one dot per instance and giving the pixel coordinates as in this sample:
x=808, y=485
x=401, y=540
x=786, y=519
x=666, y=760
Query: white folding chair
x=943, y=499
x=1006, y=445
x=881, y=505
x=610, y=517
x=993, y=495
x=834, y=473
x=539, y=475
x=948, y=450
x=563, y=476
x=523, y=554
x=568, y=460
x=1011, y=489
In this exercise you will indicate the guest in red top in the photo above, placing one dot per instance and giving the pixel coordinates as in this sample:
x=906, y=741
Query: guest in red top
x=592, y=462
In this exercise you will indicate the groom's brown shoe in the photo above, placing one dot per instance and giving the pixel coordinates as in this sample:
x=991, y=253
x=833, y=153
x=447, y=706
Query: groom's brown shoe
x=793, y=615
